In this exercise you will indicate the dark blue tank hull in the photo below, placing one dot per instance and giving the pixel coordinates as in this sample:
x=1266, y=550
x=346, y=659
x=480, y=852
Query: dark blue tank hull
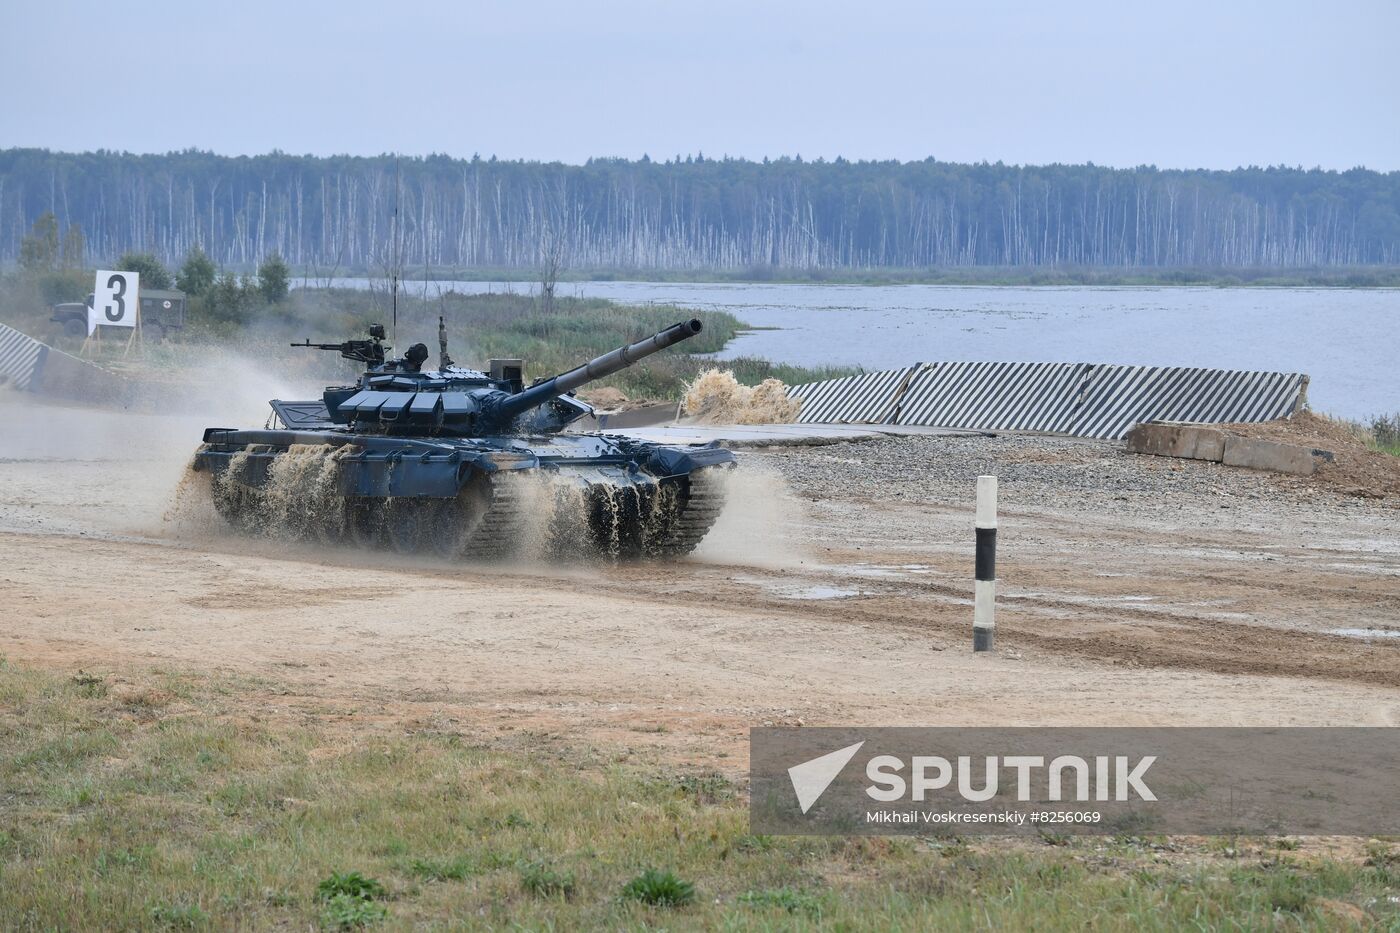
x=467, y=497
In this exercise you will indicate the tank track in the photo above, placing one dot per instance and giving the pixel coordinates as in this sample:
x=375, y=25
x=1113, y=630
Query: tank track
x=502, y=528
x=497, y=518
x=703, y=504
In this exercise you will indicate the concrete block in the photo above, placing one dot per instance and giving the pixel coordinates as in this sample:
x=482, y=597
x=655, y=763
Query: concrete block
x=1191, y=441
x=1271, y=455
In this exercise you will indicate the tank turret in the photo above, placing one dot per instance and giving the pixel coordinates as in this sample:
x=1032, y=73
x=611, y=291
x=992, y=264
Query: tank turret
x=395, y=396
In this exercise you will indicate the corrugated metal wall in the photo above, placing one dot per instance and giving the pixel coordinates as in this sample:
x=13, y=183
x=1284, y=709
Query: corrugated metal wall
x=1082, y=399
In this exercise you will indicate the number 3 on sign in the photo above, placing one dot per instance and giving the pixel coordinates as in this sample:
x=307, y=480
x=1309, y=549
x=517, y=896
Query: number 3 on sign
x=114, y=300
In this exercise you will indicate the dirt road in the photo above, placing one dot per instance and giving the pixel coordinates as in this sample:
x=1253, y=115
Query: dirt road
x=809, y=604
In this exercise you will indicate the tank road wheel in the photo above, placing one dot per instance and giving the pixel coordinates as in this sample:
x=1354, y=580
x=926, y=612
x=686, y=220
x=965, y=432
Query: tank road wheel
x=618, y=519
x=692, y=514
x=425, y=525
x=237, y=504
x=363, y=525
x=487, y=519
x=443, y=527
x=460, y=519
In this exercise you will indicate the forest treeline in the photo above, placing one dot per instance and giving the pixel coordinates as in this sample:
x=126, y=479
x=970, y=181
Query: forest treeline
x=373, y=214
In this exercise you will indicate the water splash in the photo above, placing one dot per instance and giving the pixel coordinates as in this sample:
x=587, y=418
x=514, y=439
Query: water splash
x=548, y=514
x=299, y=499
x=716, y=397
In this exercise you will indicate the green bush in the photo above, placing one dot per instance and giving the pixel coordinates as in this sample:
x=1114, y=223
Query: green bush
x=344, y=912
x=351, y=883
x=274, y=279
x=349, y=900
x=659, y=889
x=197, y=274
x=66, y=285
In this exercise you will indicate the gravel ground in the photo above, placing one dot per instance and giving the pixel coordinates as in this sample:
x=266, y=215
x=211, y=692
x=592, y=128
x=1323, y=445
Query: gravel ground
x=1060, y=474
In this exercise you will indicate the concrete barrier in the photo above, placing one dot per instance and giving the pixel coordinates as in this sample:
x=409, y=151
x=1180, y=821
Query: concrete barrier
x=1192, y=441
x=1202, y=442
x=1254, y=454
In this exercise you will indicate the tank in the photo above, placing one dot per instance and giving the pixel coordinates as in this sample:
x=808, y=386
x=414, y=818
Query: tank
x=462, y=463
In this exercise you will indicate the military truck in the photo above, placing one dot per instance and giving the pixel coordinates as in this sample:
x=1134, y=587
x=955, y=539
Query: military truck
x=162, y=310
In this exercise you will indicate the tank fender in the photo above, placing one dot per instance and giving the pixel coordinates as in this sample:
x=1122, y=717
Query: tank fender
x=676, y=461
x=493, y=461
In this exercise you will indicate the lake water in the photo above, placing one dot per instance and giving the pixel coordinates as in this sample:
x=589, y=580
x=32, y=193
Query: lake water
x=1347, y=340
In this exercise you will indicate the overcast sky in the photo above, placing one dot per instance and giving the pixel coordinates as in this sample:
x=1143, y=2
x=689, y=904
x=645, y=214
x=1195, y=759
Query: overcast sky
x=1176, y=83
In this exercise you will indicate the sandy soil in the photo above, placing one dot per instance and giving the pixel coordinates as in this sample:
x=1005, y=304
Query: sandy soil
x=1355, y=469
x=800, y=608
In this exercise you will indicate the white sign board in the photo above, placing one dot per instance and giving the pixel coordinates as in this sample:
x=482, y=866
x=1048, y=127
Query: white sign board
x=114, y=300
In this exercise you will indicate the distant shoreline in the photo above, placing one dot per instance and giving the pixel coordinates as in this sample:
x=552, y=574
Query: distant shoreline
x=1355, y=277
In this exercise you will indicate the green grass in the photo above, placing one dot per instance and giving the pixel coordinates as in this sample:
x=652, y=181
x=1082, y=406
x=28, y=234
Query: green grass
x=351, y=884
x=541, y=880
x=1379, y=432
x=459, y=868
x=346, y=912
x=1384, y=433
x=181, y=802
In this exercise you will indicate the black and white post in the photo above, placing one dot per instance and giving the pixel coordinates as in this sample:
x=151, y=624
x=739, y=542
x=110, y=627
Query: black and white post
x=984, y=619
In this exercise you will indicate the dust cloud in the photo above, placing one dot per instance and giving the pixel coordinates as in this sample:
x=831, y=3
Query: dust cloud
x=70, y=468
x=760, y=524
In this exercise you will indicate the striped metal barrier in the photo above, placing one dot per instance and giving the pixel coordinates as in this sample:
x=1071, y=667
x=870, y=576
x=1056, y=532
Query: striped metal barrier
x=993, y=396
x=869, y=398
x=1080, y=399
x=1117, y=397
x=21, y=359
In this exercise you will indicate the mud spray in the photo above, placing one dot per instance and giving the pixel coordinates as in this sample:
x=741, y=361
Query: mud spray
x=716, y=397
x=300, y=499
x=564, y=516
x=534, y=515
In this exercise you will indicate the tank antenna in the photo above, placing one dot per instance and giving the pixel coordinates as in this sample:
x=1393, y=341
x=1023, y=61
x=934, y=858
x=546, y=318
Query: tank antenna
x=398, y=242
x=444, y=360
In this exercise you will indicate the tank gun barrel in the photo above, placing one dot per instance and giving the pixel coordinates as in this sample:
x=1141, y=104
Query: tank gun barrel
x=605, y=365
